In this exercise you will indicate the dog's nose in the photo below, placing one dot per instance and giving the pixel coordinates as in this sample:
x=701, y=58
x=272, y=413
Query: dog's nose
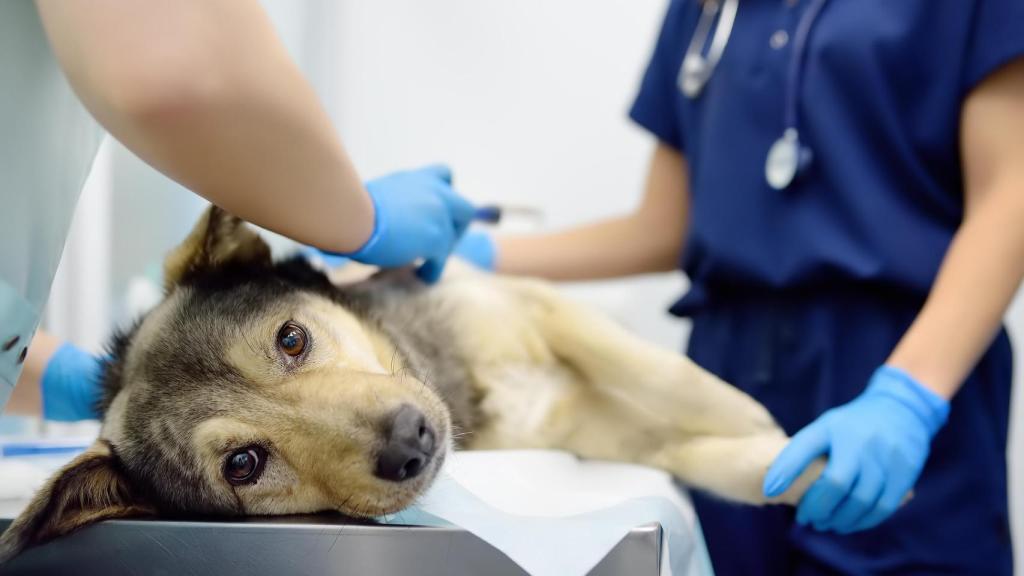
x=409, y=447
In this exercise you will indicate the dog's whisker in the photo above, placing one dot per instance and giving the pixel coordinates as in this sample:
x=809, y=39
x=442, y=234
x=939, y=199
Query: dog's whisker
x=394, y=362
x=256, y=349
x=376, y=396
x=344, y=503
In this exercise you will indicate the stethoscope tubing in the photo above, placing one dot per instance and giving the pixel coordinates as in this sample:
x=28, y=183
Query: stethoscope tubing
x=788, y=155
x=796, y=64
x=696, y=68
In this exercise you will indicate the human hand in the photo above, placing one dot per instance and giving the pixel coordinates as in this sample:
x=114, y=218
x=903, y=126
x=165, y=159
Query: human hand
x=877, y=445
x=417, y=215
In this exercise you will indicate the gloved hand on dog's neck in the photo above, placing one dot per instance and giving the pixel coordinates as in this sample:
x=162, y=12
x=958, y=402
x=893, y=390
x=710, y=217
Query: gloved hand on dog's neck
x=417, y=215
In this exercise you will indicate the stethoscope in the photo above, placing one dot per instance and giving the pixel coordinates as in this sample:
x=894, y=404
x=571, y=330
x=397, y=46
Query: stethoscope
x=787, y=157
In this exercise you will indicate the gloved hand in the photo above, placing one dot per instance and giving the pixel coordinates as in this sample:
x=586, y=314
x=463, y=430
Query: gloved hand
x=478, y=248
x=877, y=445
x=71, y=385
x=417, y=215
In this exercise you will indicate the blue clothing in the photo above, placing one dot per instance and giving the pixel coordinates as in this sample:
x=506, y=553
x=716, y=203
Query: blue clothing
x=879, y=106
x=799, y=295
x=804, y=354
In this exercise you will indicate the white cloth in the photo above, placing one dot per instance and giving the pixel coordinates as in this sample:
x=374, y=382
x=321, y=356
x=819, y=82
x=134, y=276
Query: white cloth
x=47, y=145
x=554, y=514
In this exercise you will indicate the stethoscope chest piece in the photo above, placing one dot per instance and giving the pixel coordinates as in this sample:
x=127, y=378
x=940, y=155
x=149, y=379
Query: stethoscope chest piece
x=786, y=159
x=694, y=75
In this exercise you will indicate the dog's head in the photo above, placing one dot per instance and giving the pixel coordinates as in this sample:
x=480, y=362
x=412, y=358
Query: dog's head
x=253, y=388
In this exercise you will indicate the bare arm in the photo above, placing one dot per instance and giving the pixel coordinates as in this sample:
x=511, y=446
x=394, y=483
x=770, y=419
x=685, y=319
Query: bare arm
x=205, y=92
x=985, y=263
x=648, y=240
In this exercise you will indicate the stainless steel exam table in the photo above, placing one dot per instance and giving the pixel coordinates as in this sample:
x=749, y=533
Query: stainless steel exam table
x=318, y=544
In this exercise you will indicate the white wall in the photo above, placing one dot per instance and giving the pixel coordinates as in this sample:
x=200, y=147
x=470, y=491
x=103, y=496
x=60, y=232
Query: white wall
x=526, y=100
x=526, y=106
x=1015, y=320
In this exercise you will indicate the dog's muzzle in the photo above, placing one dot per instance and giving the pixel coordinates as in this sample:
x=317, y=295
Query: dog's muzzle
x=410, y=445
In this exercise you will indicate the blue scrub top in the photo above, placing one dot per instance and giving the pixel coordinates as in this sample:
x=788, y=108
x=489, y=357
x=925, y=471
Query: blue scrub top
x=879, y=105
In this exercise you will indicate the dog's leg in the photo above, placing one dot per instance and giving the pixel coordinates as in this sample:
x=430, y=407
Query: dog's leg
x=708, y=433
x=731, y=467
x=669, y=387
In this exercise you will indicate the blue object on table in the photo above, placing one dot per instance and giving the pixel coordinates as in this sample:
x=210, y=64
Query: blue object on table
x=40, y=448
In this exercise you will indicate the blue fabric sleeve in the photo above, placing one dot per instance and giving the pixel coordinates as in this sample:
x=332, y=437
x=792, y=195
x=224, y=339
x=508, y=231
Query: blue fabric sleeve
x=71, y=385
x=655, y=107
x=996, y=39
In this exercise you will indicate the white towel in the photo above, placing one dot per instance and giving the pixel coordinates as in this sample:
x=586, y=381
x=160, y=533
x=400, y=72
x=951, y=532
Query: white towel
x=554, y=514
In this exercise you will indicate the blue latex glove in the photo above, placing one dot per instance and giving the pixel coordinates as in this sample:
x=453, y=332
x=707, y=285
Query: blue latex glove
x=417, y=215
x=478, y=249
x=71, y=385
x=877, y=445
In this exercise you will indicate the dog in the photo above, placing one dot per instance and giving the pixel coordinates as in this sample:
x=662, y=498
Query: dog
x=262, y=388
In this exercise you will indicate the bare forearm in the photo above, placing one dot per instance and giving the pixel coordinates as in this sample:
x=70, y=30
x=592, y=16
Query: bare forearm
x=977, y=281
x=27, y=396
x=648, y=240
x=985, y=263
x=205, y=92
x=618, y=247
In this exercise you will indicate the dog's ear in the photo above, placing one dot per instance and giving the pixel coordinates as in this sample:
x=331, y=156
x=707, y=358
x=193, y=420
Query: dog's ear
x=92, y=487
x=218, y=239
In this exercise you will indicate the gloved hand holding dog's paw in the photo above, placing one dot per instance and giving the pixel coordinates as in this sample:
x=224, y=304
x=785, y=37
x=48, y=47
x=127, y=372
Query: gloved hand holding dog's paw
x=877, y=446
x=418, y=215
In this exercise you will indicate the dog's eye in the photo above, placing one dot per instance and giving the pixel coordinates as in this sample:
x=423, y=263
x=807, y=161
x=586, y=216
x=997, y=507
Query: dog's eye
x=244, y=466
x=291, y=339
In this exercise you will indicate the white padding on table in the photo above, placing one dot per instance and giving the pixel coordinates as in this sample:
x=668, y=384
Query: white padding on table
x=556, y=515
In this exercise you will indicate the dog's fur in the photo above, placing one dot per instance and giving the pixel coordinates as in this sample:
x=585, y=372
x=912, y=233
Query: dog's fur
x=492, y=362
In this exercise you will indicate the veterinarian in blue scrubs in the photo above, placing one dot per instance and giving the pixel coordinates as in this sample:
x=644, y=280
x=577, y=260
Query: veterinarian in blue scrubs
x=241, y=127
x=849, y=185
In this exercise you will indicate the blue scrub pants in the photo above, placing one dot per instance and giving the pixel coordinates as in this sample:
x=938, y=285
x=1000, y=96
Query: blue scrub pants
x=801, y=354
